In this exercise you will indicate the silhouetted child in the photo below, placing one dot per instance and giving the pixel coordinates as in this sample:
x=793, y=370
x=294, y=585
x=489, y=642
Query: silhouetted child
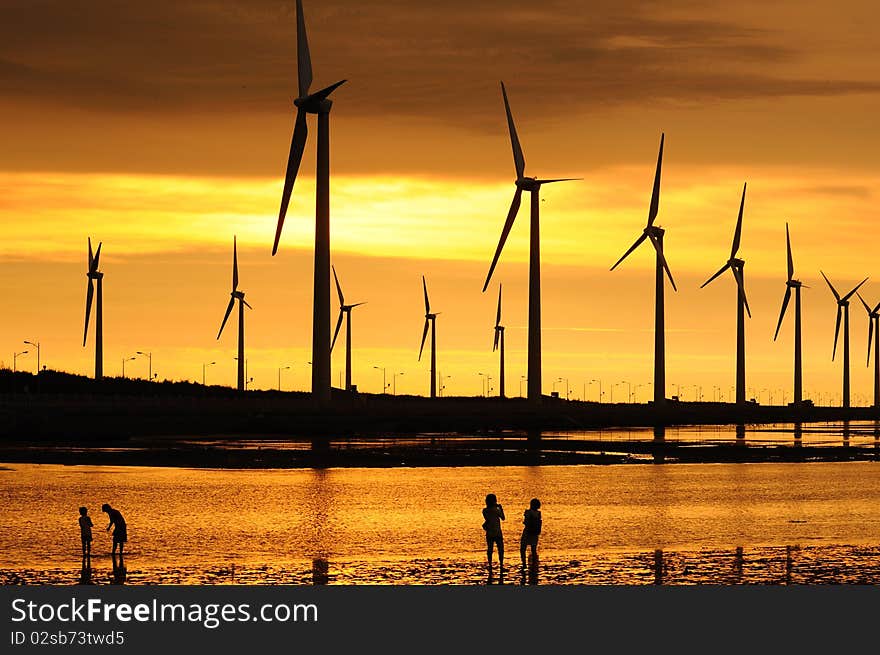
x=493, y=514
x=85, y=532
x=120, y=532
x=531, y=531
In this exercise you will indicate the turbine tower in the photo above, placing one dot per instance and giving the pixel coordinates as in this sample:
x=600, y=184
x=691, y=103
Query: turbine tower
x=874, y=318
x=533, y=186
x=239, y=296
x=344, y=311
x=95, y=278
x=843, y=308
x=736, y=267
x=432, y=319
x=499, y=345
x=796, y=285
x=316, y=103
x=655, y=234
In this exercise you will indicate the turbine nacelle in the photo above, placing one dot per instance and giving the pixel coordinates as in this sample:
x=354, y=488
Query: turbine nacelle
x=94, y=275
x=794, y=284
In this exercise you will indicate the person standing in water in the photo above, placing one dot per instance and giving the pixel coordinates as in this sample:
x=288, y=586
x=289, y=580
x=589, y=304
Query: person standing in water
x=531, y=531
x=85, y=533
x=493, y=514
x=120, y=532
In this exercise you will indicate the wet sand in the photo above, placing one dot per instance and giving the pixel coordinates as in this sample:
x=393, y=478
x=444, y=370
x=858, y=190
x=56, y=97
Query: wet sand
x=766, y=565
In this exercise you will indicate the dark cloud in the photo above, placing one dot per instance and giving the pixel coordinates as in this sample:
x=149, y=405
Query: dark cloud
x=403, y=58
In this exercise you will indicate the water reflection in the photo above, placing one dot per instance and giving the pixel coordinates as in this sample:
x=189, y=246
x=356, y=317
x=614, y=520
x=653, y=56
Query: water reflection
x=659, y=567
x=738, y=563
x=798, y=434
x=120, y=573
x=320, y=571
x=85, y=574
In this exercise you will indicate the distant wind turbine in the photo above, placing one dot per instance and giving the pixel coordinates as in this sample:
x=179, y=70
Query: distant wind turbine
x=796, y=285
x=430, y=318
x=843, y=308
x=655, y=234
x=874, y=322
x=736, y=267
x=95, y=276
x=239, y=296
x=533, y=186
x=316, y=103
x=499, y=345
x=344, y=310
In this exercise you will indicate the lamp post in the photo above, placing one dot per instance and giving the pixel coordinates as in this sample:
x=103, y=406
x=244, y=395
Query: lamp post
x=394, y=382
x=384, y=386
x=126, y=359
x=599, y=382
x=628, y=389
x=149, y=356
x=247, y=381
x=36, y=344
x=204, y=366
x=442, y=382
x=483, y=384
x=522, y=378
x=281, y=368
x=15, y=357
x=567, y=389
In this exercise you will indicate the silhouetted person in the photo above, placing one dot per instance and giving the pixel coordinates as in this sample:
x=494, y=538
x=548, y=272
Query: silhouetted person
x=120, y=533
x=85, y=533
x=531, y=531
x=493, y=514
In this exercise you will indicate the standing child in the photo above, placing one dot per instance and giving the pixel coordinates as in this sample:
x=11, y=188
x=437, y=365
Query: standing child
x=531, y=530
x=85, y=533
x=493, y=514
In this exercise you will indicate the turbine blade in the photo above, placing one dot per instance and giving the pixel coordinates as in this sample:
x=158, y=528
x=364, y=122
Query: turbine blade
x=739, y=220
x=836, y=332
x=870, y=337
x=508, y=223
x=495, y=343
x=323, y=93
x=788, y=248
x=655, y=195
x=91, y=257
x=720, y=271
x=226, y=316
x=519, y=161
x=303, y=59
x=246, y=304
x=659, y=250
x=785, y=300
x=424, y=336
x=297, y=145
x=740, y=283
x=831, y=286
x=234, y=263
x=357, y=304
x=867, y=309
x=427, y=302
x=90, y=292
x=635, y=245
x=336, y=331
x=338, y=288
x=560, y=179
x=498, y=314
x=849, y=295
x=97, y=261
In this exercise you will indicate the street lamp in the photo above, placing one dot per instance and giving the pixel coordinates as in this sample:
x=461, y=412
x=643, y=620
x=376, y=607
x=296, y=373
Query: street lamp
x=442, y=383
x=384, y=386
x=36, y=344
x=599, y=382
x=149, y=356
x=247, y=381
x=567, y=388
x=204, y=366
x=124, y=359
x=15, y=357
x=281, y=368
x=394, y=381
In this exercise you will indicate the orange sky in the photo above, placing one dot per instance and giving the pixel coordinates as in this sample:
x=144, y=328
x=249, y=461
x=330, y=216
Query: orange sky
x=162, y=130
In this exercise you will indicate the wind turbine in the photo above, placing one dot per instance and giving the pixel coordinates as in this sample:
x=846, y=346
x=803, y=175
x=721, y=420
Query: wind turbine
x=432, y=319
x=499, y=345
x=874, y=318
x=655, y=234
x=736, y=267
x=95, y=276
x=533, y=186
x=343, y=311
x=235, y=294
x=843, y=307
x=796, y=285
x=316, y=103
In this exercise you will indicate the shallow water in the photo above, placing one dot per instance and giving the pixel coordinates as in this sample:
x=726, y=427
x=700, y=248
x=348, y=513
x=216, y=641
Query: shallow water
x=422, y=525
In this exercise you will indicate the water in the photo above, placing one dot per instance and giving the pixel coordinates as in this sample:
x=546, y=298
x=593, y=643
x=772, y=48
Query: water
x=410, y=525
